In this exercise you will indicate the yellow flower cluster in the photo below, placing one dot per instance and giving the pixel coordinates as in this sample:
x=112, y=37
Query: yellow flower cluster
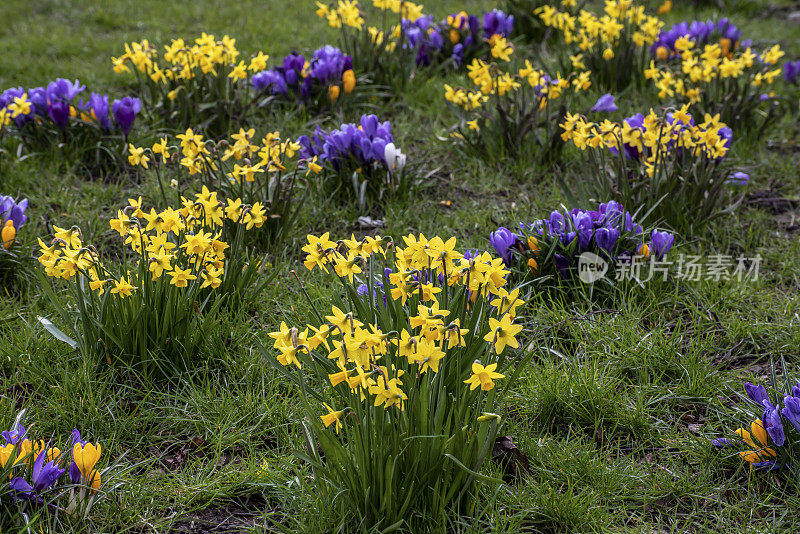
x=185, y=243
x=369, y=360
x=5, y=117
x=589, y=32
x=199, y=154
x=185, y=61
x=490, y=80
x=698, y=69
x=655, y=140
x=348, y=13
x=344, y=12
x=407, y=10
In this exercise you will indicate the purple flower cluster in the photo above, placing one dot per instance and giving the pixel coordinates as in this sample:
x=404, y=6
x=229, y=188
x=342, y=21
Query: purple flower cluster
x=701, y=33
x=791, y=70
x=46, y=471
x=362, y=144
x=327, y=67
x=13, y=211
x=430, y=39
x=56, y=102
x=423, y=36
x=609, y=231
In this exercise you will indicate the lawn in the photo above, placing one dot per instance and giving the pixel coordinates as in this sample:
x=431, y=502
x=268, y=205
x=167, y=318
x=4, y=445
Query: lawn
x=618, y=394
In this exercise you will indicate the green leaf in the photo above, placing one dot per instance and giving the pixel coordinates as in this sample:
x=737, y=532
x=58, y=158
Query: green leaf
x=56, y=332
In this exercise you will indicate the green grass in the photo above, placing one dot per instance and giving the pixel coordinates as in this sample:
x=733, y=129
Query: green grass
x=614, y=414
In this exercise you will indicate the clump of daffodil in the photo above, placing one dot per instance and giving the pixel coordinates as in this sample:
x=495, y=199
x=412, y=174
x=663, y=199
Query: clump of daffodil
x=527, y=23
x=401, y=371
x=261, y=173
x=511, y=106
x=178, y=266
x=612, y=46
x=667, y=162
x=209, y=69
x=717, y=78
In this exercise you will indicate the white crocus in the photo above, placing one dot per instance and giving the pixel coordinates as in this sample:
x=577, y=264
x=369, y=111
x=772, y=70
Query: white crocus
x=395, y=159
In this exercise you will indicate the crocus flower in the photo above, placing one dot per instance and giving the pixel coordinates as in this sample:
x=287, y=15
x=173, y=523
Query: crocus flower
x=661, y=242
x=562, y=265
x=86, y=457
x=503, y=240
x=125, y=111
x=44, y=475
x=365, y=143
x=38, y=97
x=757, y=394
x=15, y=435
x=773, y=425
x=98, y=106
x=791, y=70
x=13, y=211
x=605, y=104
x=739, y=179
x=497, y=22
x=791, y=407
x=395, y=159
x=761, y=457
x=458, y=53
x=59, y=112
x=606, y=238
x=63, y=90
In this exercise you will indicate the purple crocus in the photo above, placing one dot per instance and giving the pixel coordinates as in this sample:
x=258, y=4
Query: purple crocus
x=497, y=22
x=721, y=443
x=791, y=411
x=38, y=97
x=98, y=106
x=59, y=113
x=125, y=111
x=791, y=70
x=63, y=90
x=757, y=394
x=503, y=240
x=13, y=211
x=791, y=407
x=562, y=265
x=738, y=179
x=661, y=242
x=605, y=104
x=272, y=78
x=364, y=143
x=15, y=435
x=43, y=477
x=606, y=238
x=556, y=224
x=773, y=425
